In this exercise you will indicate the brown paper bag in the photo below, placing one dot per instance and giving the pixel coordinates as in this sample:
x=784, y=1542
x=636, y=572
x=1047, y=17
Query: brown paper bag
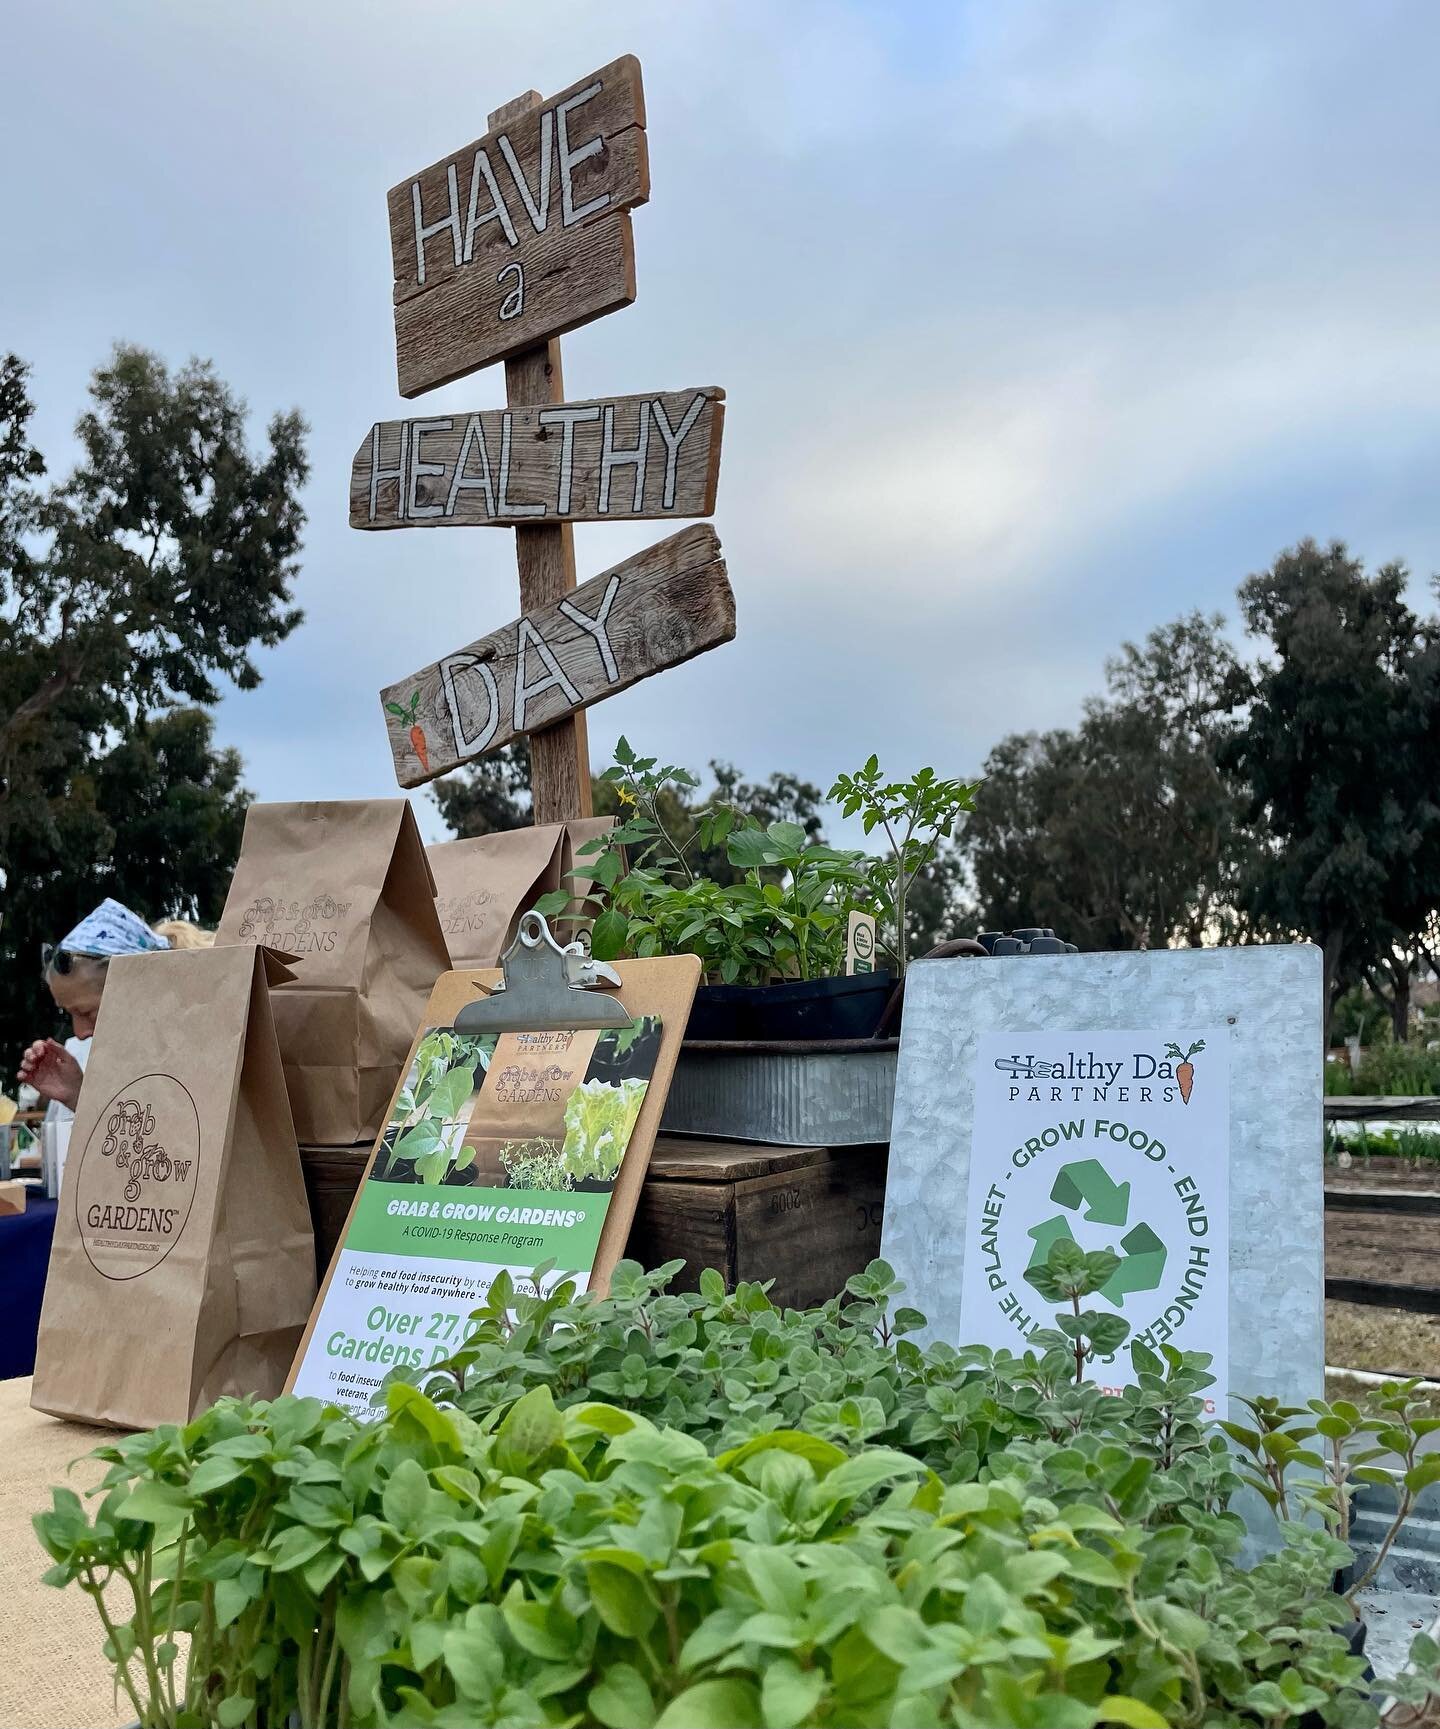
x=183, y=1265
x=345, y=889
x=484, y=884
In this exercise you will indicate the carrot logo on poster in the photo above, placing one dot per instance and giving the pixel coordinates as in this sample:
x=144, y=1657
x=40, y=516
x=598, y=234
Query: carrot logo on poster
x=137, y=1177
x=1184, y=1068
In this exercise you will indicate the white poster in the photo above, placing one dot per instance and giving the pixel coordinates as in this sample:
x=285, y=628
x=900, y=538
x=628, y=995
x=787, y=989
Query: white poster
x=1118, y=1141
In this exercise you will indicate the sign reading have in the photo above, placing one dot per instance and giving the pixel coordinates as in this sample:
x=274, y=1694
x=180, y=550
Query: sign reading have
x=521, y=235
x=665, y=605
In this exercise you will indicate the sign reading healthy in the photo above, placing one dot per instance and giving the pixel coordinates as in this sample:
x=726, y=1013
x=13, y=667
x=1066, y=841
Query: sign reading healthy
x=498, y=249
x=1114, y=1141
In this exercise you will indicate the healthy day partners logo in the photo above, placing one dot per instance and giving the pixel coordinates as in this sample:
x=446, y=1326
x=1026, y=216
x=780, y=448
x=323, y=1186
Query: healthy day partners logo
x=1078, y=1076
x=137, y=1177
x=297, y=927
x=1139, y=1169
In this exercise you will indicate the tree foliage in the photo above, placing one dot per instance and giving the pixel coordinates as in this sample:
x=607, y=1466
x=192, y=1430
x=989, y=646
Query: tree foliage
x=1122, y=833
x=1337, y=758
x=129, y=592
x=488, y=796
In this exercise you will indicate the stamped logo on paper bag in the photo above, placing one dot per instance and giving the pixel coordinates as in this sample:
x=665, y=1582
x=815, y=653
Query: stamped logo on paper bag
x=295, y=927
x=464, y=915
x=137, y=1177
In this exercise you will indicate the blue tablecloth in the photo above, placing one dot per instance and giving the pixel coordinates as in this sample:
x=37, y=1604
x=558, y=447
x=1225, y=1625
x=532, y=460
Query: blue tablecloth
x=24, y=1260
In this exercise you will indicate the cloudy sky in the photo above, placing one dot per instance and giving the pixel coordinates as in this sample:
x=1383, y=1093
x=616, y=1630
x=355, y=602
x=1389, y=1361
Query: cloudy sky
x=1038, y=324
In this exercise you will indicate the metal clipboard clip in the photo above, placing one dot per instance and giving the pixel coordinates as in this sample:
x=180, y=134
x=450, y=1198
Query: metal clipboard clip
x=546, y=988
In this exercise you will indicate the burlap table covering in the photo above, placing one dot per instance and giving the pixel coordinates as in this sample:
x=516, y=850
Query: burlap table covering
x=52, y=1676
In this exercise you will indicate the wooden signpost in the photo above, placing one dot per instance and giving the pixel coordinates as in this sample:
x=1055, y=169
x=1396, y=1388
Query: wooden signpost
x=498, y=249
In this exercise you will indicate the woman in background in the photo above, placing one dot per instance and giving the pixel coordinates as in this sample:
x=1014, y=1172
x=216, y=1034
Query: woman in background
x=75, y=972
x=181, y=934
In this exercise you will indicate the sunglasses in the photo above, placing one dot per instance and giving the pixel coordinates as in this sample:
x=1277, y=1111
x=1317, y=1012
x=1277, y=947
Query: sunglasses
x=62, y=961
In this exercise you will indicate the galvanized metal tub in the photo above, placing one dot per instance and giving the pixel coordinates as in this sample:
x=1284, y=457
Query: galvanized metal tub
x=805, y=1092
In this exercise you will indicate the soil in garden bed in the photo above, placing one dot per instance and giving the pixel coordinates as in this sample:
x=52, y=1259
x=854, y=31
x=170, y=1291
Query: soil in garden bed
x=1392, y=1248
x=1385, y=1172
x=1382, y=1341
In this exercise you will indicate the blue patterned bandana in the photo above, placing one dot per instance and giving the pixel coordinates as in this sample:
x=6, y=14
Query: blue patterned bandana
x=112, y=929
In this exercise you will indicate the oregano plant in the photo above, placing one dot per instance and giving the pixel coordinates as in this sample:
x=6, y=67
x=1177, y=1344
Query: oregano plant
x=1066, y=1275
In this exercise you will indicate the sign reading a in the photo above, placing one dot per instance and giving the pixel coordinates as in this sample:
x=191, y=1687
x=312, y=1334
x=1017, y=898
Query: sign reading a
x=663, y=606
x=611, y=460
x=523, y=234
x=1112, y=1140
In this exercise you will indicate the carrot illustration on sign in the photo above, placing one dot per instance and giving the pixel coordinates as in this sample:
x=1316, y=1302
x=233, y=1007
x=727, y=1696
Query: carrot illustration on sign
x=410, y=711
x=1184, y=1068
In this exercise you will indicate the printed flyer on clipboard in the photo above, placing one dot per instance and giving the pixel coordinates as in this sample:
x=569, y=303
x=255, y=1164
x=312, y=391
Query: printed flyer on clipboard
x=501, y=1153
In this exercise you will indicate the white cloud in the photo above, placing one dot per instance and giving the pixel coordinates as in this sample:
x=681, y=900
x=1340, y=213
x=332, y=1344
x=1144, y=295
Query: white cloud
x=1038, y=323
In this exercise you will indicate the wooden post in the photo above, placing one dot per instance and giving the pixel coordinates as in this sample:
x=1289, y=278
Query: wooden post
x=560, y=755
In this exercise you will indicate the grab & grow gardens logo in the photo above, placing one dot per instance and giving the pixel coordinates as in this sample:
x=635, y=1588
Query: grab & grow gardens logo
x=296, y=927
x=137, y=1177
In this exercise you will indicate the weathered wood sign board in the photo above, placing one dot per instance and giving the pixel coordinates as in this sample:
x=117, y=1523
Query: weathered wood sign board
x=661, y=607
x=523, y=234
x=611, y=460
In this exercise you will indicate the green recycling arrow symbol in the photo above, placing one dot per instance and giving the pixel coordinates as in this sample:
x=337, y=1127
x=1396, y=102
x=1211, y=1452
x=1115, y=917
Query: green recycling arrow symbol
x=1087, y=1183
x=1141, y=1267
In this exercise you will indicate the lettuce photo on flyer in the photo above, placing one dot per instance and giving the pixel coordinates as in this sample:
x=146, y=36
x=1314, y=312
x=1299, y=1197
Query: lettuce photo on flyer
x=427, y=1126
x=599, y=1119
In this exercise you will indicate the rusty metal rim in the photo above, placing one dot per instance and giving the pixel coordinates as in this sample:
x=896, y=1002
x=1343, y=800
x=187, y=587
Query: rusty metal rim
x=785, y=1047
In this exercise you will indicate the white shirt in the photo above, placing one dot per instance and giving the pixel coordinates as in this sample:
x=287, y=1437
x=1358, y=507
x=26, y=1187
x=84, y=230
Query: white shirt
x=55, y=1112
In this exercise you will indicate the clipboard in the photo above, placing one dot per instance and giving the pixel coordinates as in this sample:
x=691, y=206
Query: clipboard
x=544, y=987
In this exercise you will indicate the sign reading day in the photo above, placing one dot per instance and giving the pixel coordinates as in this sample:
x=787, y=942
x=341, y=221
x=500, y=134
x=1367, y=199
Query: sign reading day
x=498, y=249
x=664, y=606
x=1165, y=1107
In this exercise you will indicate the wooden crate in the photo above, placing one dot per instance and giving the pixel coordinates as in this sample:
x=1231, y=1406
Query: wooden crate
x=806, y=1217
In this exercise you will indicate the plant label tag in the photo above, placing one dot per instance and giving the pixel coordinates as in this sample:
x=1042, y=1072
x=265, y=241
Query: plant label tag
x=860, y=944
